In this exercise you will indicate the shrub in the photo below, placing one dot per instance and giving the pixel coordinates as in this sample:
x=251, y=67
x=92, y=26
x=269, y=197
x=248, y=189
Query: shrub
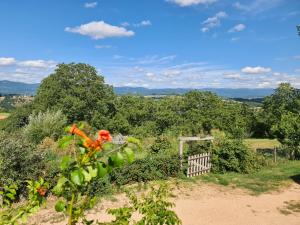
x=198, y=147
x=17, y=119
x=153, y=167
x=47, y=124
x=153, y=208
x=100, y=187
x=233, y=155
x=19, y=160
x=161, y=144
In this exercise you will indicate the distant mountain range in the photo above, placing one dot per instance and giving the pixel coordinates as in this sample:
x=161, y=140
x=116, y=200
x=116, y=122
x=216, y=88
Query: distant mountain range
x=9, y=87
x=224, y=92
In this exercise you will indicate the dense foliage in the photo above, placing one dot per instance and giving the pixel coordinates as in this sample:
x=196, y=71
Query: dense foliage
x=232, y=155
x=154, y=208
x=32, y=144
x=19, y=160
x=78, y=91
x=153, y=167
x=47, y=124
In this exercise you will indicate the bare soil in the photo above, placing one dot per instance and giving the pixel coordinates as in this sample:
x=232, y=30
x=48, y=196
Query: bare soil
x=207, y=204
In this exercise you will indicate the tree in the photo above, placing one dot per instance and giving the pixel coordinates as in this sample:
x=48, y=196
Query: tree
x=285, y=99
x=287, y=132
x=77, y=90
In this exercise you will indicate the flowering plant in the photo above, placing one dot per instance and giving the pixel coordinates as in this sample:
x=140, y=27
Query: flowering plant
x=90, y=159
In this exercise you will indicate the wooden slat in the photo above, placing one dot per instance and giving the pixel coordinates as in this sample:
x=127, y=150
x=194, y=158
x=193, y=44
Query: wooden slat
x=198, y=164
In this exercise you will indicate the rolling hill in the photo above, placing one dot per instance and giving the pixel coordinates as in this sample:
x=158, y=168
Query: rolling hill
x=10, y=87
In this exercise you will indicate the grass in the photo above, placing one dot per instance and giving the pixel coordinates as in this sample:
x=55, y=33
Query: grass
x=4, y=116
x=262, y=181
x=255, y=143
x=290, y=207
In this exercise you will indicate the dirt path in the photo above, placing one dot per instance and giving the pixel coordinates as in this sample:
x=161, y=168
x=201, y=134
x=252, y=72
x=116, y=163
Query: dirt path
x=204, y=204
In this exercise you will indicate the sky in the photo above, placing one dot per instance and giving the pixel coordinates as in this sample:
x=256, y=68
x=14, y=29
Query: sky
x=154, y=43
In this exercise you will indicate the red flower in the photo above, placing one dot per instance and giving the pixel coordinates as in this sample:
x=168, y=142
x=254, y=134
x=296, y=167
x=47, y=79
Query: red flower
x=42, y=191
x=104, y=135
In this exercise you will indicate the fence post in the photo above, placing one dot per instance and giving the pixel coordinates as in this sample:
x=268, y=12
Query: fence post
x=275, y=154
x=181, y=152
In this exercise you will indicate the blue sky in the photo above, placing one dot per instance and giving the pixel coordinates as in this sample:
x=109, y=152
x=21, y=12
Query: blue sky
x=154, y=43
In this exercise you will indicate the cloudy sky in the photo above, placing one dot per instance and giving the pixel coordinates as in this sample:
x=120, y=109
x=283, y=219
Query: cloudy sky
x=154, y=43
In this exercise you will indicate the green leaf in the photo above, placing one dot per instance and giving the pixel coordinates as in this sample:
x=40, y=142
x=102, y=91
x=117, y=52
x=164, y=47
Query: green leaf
x=134, y=141
x=60, y=206
x=65, y=162
x=58, y=187
x=82, y=150
x=107, y=146
x=102, y=170
x=92, y=171
x=129, y=154
x=87, y=176
x=65, y=141
x=68, y=129
x=10, y=196
x=116, y=160
x=77, y=177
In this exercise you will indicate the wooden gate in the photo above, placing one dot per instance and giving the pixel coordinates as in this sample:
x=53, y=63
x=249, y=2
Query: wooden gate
x=198, y=164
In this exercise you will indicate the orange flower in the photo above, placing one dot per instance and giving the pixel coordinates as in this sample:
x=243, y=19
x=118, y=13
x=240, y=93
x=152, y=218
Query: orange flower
x=96, y=145
x=87, y=141
x=42, y=191
x=104, y=135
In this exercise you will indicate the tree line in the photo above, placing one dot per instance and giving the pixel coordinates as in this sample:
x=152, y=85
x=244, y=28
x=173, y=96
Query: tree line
x=80, y=93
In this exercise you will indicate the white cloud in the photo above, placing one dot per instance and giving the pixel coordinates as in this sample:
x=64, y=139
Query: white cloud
x=171, y=73
x=28, y=71
x=234, y=39
x=100, y=30
x=103, y=46
x=184, y=3
x=237, y=28
x=7, y=61
x=232, y=76
x=125, y=24
x=214, y=21
x=117, y=57
x=90, y=4
x=255, y=70
x=156, y=59
x=265, y=84
x=37, y=64
x=257, y=6
x=143, y=23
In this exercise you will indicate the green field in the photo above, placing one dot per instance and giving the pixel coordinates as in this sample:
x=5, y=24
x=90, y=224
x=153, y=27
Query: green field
x=254, y=143
x=265, y=180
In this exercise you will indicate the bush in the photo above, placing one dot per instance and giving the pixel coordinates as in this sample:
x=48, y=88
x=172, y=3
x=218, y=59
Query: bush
x=153, y=167
x=42, y=125
x=233, y=155
x=17, y=119
x=161, y=144
x=198, y=147
x=19, y=160
x=100, y=187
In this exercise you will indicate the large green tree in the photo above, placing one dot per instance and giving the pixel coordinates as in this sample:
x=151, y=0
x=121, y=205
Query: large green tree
x=78, y=91
x=285, y=99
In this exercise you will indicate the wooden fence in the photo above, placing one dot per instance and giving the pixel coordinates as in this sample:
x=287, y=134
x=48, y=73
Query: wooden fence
x=272, y=151
x=198, y=164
